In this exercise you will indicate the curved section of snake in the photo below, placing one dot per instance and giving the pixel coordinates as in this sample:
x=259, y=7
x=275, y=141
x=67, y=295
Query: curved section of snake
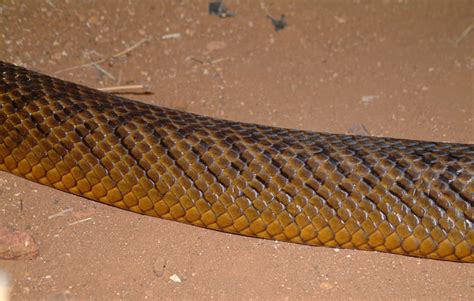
x=369, y=193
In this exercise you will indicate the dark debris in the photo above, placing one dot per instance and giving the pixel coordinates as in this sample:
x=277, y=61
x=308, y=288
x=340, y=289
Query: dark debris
x=279, y=24
x=218, y=8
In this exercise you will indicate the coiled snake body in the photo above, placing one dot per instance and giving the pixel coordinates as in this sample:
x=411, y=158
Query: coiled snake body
x=399, y=196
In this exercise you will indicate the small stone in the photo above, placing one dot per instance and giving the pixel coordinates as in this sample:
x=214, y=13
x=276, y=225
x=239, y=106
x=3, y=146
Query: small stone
x=159, y=266
x=216, y=45
x=175, y=278
x=326, y=285
x=340, y=19
x=368, y=99
x=358, y=129
x=56, y=56
x=61, y=296
x=16, y=244
x=94, y=20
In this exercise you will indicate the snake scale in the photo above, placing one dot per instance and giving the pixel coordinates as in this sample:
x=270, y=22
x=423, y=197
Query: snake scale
x=369, y=193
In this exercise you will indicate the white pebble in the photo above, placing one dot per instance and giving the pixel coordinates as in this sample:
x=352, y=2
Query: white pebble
x=175, y=278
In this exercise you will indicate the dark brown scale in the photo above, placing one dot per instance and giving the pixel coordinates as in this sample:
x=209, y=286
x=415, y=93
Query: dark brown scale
x=370, y=193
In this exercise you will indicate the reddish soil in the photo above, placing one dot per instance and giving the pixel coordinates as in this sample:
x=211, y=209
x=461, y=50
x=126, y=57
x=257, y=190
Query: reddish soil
x=396, y=68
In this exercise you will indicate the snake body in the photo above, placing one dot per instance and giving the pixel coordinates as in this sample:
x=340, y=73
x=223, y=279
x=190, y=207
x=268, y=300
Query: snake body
x=369, y=193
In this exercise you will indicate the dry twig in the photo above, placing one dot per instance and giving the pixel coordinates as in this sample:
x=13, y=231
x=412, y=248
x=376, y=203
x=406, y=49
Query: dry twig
x=126, y=89
x=464, y=34
x=95, y=63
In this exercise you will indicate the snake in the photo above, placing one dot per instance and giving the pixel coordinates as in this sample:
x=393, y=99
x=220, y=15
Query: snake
x=370, y=193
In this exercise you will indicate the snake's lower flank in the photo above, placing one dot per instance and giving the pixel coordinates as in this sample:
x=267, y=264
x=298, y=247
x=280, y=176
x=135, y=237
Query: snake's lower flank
x=368, y=193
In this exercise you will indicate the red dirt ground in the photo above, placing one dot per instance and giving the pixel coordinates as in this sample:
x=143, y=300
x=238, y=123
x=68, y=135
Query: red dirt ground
x=397, y=68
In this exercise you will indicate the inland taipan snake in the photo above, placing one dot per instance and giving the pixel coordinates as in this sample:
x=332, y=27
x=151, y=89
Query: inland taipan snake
x=369, y=193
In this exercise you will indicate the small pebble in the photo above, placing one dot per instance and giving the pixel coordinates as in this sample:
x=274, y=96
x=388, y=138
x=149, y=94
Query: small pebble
x=216, y=45
x=159, y=266
x=368, y=99
x=175, y=278
x=16, y=244
x=325, y=285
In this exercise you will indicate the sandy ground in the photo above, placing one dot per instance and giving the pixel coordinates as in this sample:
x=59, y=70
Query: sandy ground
x=390, y=68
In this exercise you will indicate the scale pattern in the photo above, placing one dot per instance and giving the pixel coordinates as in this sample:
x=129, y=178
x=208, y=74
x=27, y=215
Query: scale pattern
x=399, y=196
